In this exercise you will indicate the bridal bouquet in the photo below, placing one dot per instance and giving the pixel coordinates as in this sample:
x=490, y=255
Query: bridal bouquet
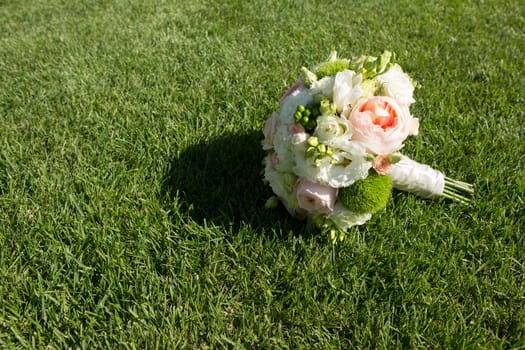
x=333, y=146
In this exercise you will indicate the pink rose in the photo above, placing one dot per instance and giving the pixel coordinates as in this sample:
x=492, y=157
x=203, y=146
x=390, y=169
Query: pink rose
x=315, y=198
x=381, y=124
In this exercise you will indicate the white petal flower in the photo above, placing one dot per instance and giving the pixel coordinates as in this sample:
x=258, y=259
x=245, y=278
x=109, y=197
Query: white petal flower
x=347, y=89
x=282, y=184
x=269, y=130
x=349, y=167
x=306, y=166
x=344, y=218
x=396, y=83
x=291, y=102
x=283, y=148
x=324, y=87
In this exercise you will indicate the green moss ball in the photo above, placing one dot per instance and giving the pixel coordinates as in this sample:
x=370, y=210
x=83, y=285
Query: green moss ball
x=368, y=195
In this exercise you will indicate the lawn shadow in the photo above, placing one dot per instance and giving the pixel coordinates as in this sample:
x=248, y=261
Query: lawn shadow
x=220, y=181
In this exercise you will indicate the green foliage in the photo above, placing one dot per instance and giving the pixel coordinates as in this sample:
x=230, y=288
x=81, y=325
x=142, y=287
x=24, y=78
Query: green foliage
x=368, y=195
x=370, y=66
x=131, y=202
x=331, y=68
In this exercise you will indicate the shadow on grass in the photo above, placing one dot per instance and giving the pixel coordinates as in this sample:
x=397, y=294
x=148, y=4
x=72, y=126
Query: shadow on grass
x=220, y=181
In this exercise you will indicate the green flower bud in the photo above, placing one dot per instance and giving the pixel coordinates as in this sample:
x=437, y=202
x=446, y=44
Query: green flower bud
x=310, y=152
x=289, y=181
x=383, y=62
x=332, y=57
x=313, y=141
x=326, y=108
x=308, y=77
x=333, y=236
x=394, y=158
x=272, y=202
x=369, y=157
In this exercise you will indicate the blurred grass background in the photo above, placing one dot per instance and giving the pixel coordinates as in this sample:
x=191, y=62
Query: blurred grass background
x=131, y=202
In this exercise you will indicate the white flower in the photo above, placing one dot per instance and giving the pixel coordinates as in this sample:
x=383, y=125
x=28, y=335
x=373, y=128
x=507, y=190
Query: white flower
x=282, y=184
x=341, y=169
x=299, y=139
x=283, y=148
x=269, y=130
x=344, y=218
x=350, y=166
x=290, y=103
x=324, y=87
x=396, y=83
x=347, y=89
x=306, y=167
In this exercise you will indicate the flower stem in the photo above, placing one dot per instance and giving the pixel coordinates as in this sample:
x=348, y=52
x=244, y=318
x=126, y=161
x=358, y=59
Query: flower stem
x=458, y=191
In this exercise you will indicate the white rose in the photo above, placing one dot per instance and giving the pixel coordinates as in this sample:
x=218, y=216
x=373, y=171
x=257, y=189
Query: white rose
x=331, y=128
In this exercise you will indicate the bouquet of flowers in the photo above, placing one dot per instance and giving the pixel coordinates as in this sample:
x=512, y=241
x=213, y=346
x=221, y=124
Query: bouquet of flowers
x=333, y=146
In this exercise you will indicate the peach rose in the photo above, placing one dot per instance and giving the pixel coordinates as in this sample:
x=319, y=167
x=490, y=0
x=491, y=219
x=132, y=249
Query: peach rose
x=315, y=198
x=381, y=124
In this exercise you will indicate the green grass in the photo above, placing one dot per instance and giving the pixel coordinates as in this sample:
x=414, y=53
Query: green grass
x=131, y=202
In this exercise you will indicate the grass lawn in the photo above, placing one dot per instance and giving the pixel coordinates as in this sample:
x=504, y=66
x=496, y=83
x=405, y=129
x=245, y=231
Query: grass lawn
x=132, y=204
